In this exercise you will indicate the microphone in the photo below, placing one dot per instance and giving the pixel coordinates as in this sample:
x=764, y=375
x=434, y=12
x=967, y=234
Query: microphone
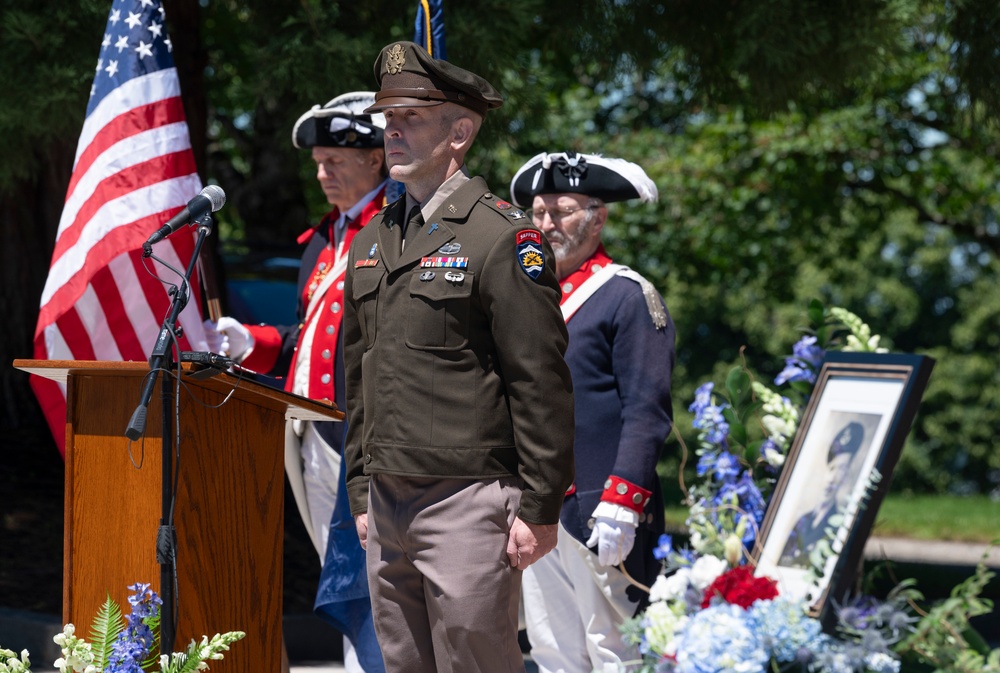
x=210, y=200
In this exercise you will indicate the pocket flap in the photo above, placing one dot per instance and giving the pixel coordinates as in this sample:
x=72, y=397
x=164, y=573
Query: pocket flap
x=366, y=281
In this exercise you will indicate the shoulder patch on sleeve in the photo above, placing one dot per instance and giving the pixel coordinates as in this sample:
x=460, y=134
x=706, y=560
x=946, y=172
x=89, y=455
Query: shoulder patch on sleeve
x=530, y=253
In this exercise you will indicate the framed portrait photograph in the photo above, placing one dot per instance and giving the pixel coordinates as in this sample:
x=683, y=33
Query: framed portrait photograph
x=837, y=472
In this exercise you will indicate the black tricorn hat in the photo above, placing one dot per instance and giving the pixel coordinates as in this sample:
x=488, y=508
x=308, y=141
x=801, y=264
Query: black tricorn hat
x=409, y=77
x=568, y=172
x=342, y=122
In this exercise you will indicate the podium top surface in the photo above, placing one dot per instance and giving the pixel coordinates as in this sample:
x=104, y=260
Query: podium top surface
x=218, y=380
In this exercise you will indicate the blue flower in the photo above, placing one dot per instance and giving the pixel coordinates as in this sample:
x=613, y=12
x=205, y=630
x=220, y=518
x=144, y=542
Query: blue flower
x=727, y=467
x=806, y=358
x=795, y=370
x=749, y=500
x=784, y=629
x=719, y=639
x=711, y=421
x=135, y=642
x=664, y=546
x=702, y=398
x=806, y=350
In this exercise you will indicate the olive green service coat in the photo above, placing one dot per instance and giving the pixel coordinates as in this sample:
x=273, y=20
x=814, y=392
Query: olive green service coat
x=452, y=371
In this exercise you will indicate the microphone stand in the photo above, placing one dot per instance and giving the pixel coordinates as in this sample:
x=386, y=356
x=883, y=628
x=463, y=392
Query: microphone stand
x=161, y=358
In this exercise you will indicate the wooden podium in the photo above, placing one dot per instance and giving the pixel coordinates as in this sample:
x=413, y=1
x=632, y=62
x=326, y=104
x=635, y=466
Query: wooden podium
x=229, y=500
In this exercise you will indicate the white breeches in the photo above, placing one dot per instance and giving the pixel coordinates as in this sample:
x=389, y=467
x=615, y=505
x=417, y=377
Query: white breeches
x=321, y=477
x=573, y=609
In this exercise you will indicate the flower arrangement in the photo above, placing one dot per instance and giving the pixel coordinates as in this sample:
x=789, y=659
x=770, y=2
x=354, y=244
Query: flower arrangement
x=125, y=645
x=710, y=613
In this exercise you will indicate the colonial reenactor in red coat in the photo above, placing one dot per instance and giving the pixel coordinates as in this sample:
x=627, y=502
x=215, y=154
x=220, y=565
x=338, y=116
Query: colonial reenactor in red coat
x=346, y=144
x=621, y=356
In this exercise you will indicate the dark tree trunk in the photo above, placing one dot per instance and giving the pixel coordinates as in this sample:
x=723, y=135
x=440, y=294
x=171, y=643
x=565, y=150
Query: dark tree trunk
x=30, y=217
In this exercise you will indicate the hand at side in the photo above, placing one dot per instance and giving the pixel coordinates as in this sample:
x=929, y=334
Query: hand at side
x=529, y=542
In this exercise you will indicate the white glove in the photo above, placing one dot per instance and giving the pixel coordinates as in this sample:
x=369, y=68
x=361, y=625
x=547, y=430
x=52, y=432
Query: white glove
x=614, y=533
x=229, y=337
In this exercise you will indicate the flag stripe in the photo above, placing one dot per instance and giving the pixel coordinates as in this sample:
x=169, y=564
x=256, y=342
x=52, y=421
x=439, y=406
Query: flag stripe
x=149, y=88
x=135, y=122
x=118, y=233
x=120, y=156
x=117, y=185
x=115, y=329
x=72, y=331
x=133, y=170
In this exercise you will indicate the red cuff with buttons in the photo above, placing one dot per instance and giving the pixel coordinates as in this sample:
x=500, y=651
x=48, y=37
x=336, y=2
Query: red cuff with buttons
x=266, y=349
x=626, y=494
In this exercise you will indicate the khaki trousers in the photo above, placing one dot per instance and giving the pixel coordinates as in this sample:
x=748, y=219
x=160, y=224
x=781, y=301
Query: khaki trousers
x=444, y=596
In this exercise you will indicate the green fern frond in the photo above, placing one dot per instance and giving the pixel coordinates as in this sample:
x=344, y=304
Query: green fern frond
x=104, y=630
x=154, y=651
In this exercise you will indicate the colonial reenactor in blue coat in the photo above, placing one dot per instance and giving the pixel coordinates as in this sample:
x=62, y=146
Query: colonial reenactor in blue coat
x=459, y=401
x=621, y=356
x=346, y=145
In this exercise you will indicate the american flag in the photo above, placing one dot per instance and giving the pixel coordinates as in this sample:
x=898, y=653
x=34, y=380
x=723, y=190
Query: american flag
x=134, y=169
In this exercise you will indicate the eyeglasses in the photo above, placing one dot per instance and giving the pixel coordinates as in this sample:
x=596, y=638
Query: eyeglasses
x=556, y=215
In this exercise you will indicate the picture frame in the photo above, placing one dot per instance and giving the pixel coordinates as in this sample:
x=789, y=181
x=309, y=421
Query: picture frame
x=837, y=472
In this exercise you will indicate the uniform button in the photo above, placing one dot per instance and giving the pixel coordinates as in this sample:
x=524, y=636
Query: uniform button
x=322, y=266
x=607, y=484
x=488, y=195
x=622, y=489
x=368, y=458
x=325, y=378
x=335, y=307
x=329, y=329
x=567, y=287
x=340, y=285
x=326, y=353
x=595, y=268
x=590, y=523
x=313, y=286
x=637, y=498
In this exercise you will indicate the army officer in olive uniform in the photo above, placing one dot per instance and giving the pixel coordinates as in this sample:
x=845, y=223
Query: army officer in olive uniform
x=460, y=439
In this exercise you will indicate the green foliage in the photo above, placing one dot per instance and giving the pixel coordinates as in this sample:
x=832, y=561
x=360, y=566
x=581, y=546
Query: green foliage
x=943, y=640
x=842, y=149
x=197, y=655
x=45, y=81
x=104, y=630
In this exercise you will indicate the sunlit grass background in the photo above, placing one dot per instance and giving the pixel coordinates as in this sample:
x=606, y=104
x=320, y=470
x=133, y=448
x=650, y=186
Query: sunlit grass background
x=974, y=518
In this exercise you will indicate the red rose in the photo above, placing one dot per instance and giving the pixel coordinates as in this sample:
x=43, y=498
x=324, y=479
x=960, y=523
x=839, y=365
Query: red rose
x=739, y=587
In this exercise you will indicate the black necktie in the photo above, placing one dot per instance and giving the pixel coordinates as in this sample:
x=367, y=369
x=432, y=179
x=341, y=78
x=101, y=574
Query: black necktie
x=413, y=223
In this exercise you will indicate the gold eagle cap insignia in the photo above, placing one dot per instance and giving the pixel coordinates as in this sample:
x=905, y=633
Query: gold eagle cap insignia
x=396, y=59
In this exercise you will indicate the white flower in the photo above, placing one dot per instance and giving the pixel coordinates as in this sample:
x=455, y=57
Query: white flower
x=777, y=426
x=774, y=457
x=733, y=549
x=672, y=587
x=882, y=663
x=661, y=625
x=705, y=570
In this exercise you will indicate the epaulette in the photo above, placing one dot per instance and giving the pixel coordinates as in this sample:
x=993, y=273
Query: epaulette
x=652, y=297
x=513, y=214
